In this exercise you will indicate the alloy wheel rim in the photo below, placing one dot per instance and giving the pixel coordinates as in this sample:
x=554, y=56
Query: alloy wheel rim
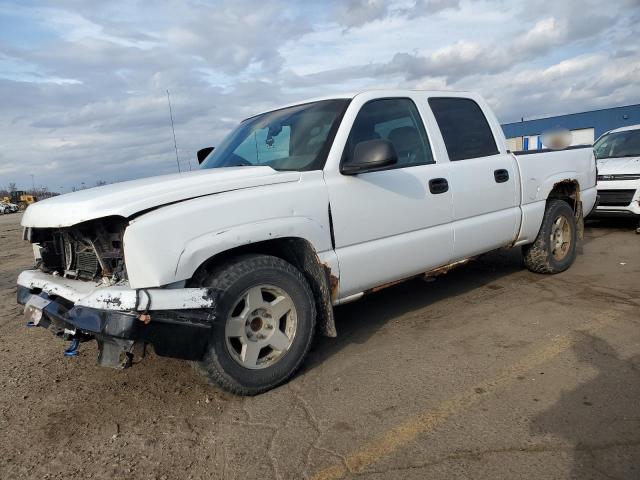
x=261, y=327
x=560, y=238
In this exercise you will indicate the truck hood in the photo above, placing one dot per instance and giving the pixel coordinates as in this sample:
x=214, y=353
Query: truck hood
x=618, y=166
x=128, y=198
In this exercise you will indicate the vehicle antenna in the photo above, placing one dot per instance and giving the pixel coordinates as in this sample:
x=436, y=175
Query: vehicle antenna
x=175, y=145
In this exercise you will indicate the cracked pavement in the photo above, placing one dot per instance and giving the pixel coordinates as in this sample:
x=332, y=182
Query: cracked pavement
x=489, y=371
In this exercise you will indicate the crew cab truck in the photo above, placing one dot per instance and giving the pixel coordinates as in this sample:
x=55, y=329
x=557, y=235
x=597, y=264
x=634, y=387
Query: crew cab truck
x=298, y=210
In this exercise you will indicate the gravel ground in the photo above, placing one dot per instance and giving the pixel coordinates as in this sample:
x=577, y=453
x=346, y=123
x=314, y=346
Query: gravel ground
x=488, y=372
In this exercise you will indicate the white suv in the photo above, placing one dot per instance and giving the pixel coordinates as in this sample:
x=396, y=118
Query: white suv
x=618, y=157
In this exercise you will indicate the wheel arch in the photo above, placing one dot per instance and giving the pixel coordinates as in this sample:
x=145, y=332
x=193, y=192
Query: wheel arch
x=302, y=255
x=568, y=190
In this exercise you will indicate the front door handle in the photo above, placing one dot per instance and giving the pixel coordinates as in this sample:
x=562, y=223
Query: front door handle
x=438, y=185
x=501, y=175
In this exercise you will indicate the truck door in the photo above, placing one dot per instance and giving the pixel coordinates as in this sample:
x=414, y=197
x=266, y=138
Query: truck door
x=484, y=180
x=393, y=223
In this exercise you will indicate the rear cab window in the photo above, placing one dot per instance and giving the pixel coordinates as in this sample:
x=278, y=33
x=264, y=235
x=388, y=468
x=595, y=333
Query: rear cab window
x=464, y=128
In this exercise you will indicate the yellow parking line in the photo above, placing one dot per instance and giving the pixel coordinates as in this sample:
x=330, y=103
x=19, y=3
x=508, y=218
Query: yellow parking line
x=403, y=434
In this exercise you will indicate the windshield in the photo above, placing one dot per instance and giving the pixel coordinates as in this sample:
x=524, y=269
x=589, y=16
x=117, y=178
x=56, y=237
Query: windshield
x=295, y=138
x=618, y=144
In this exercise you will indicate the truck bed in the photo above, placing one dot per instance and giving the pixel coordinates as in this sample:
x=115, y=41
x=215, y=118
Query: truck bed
x=541, y=170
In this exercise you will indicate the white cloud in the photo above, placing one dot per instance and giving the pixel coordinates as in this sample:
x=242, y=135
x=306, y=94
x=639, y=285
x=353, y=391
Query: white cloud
x=355, y=13
x=544, y=34
x=18, y=70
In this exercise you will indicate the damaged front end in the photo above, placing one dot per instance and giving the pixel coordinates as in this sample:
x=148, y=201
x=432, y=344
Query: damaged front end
x=79, y=290
x=90, y=251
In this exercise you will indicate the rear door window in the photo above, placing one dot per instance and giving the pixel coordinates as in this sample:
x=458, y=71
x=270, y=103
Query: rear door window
x=465, y=130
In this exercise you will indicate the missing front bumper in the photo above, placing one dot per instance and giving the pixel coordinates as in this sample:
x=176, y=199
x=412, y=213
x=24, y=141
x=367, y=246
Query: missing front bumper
x=180, y=333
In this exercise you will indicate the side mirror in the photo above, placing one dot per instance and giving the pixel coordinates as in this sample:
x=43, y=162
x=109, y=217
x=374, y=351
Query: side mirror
x=370, y=155
x=204, y=153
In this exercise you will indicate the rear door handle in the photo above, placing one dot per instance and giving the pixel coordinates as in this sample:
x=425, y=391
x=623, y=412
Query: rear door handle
x=501, y=175
x=438, y=185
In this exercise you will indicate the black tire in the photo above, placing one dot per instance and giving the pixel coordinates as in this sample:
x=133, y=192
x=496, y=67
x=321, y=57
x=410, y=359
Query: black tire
x=237, y=276
x=539, y=256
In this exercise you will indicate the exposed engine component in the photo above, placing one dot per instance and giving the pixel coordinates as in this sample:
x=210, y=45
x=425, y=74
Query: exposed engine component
x=88, y=251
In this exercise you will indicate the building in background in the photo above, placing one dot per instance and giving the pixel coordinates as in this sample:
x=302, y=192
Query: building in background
x=585, y=127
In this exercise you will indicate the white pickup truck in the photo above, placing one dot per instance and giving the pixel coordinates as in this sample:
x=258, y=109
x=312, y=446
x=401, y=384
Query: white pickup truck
x=298, y=210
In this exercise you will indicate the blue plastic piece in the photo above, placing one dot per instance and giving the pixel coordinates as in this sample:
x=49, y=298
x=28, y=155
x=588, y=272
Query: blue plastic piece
x=30, y=324
x=72, y=350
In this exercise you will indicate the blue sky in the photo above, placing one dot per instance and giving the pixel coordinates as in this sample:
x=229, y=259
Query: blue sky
x=83, y=83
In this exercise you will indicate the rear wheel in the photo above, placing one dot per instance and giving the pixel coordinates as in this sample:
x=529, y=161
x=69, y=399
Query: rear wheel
x=265, y=320
x=554, y=249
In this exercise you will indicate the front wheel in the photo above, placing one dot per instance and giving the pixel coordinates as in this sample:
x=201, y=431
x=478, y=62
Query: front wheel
x=264, y=325
x=554, y=249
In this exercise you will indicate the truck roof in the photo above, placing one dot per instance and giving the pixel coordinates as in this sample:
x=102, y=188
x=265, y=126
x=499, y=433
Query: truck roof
x=383, y=92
